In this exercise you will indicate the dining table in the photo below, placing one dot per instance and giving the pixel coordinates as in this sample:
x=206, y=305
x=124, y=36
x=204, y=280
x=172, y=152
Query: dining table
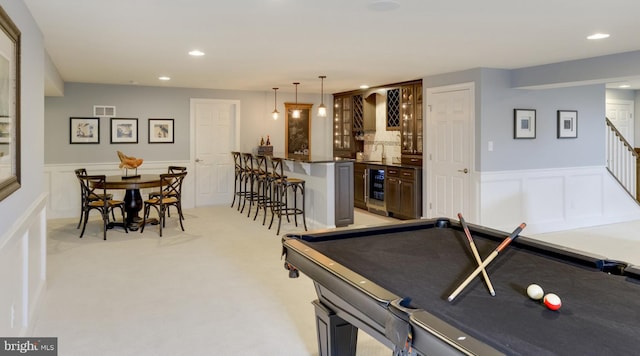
x=132, y=197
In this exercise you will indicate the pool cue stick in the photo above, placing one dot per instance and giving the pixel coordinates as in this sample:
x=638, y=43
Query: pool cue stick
x=484, y=264
x=474, y=249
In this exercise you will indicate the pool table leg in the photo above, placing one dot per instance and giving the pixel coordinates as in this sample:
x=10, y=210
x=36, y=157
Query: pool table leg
x=335, y=335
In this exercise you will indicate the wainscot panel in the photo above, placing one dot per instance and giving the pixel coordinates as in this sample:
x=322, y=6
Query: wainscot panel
x=553, y=199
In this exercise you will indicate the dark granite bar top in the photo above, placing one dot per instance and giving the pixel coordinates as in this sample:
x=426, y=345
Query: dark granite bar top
x=313, y=158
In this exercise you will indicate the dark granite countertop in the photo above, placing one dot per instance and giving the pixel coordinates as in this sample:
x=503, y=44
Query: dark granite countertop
x=389, y=164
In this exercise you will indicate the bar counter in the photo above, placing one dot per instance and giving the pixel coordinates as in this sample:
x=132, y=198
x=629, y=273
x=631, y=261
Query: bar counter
x=329, y=187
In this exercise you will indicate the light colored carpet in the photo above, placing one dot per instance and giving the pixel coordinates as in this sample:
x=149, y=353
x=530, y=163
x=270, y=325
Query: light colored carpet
x=219, y=288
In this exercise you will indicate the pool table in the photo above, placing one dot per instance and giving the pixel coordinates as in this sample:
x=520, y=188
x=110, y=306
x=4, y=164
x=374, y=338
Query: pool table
x=392, y=281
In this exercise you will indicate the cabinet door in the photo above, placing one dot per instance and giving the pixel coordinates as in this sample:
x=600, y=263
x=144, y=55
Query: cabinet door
x=342, y=123
x=418, y=118
x=407, y=202
x=407, y=126
x=358, y=114
x=347, y=123
x=344, y=194
x=393, y=109
x=359, y=185
x=392, y=195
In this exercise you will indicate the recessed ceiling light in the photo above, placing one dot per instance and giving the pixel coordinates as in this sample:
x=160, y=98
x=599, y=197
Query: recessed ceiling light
x=624, y=86
x=598, y=36
x=164, y=77
x=196, y=53
x=364, y=86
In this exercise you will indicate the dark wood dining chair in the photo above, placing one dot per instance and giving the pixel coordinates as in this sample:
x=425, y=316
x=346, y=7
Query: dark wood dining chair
x=156, y=194
x=170, y=195
x=83, y=199
x=104, y=204
x=237, y=181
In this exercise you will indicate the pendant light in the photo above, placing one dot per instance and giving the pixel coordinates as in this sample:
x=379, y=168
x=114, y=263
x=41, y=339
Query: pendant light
x=275, y=112
x=296, y=112
x=322, y=110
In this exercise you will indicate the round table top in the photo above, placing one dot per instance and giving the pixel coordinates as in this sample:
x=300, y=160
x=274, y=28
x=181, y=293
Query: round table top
x=144, y=181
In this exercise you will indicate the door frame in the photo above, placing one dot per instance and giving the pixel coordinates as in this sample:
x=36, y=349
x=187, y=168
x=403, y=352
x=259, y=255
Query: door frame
x=192, y=133
x=474, y=185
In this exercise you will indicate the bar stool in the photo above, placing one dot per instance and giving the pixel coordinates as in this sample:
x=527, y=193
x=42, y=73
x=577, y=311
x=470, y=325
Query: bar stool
x=237, y=181
x=248, y=182
x=282, y=186
x=264, y=189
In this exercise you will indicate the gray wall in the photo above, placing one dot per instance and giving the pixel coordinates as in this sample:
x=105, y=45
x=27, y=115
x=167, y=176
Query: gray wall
x=494, y=105
x=13, y=207
x=546, y=150
x=159, y=102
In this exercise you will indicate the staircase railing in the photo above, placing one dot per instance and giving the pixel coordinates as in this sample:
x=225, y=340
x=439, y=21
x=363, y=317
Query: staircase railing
x=622, y=160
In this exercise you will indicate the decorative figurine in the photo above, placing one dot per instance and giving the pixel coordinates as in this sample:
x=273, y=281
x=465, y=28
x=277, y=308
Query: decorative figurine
x=127, y=163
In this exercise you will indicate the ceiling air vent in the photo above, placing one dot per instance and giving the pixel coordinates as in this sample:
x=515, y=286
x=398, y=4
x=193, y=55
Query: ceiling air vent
x=104, y=111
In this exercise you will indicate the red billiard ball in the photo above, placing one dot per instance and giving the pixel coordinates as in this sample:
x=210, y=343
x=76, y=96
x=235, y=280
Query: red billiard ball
x=552, y=301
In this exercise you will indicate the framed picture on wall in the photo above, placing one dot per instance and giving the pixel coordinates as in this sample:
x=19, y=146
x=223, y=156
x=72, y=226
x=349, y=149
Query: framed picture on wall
x=160, y=130
x=10, y=76
x=567, y=124
x=84, y=130
x=298, y=130
x=5, y=129
x=124, y=130
x=524, y=123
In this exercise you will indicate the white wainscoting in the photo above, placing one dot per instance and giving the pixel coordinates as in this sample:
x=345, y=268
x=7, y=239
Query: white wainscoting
x=23, y=269
x=553, y=199
x=64, y=190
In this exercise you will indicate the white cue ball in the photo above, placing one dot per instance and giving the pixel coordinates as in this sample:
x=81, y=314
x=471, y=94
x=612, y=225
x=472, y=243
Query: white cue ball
x=535, y=292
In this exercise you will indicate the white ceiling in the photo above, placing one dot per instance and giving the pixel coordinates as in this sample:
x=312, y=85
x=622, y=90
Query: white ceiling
x=260, y=44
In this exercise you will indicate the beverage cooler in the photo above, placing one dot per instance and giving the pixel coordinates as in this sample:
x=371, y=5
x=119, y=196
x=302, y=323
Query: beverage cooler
x=375, y=190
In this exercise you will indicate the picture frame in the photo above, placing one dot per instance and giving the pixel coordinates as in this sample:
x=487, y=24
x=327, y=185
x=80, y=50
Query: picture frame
x=161, y=131
x=10, y=77
x=5, y=130
x=567, y=123
x=124, y=130
x=84, y=130
x=298, y=130
x=524, y=123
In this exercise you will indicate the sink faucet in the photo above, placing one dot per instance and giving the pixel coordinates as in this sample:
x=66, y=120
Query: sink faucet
x=375, y=148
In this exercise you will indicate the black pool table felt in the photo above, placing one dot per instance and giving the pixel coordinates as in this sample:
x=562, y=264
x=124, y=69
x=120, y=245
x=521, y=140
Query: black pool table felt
x=600, y=312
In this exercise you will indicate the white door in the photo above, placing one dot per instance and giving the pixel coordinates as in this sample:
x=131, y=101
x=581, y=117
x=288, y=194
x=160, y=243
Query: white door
x=215, y=134
x=449, y=159
x=620, y=113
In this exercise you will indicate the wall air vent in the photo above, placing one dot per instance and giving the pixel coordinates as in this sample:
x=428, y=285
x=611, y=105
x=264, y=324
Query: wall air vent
x=104, y=111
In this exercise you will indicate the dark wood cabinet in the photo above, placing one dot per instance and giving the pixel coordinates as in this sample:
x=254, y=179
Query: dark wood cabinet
x=359, y=185
x=342, y=125
x=348, y=124
x=403, y=192
x=411, y=137
x=344, y=193
x=354, y=113
x=393, y=109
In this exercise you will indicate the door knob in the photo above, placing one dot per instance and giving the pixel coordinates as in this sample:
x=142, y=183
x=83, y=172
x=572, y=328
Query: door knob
x=465, y=171
x=198, y=160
